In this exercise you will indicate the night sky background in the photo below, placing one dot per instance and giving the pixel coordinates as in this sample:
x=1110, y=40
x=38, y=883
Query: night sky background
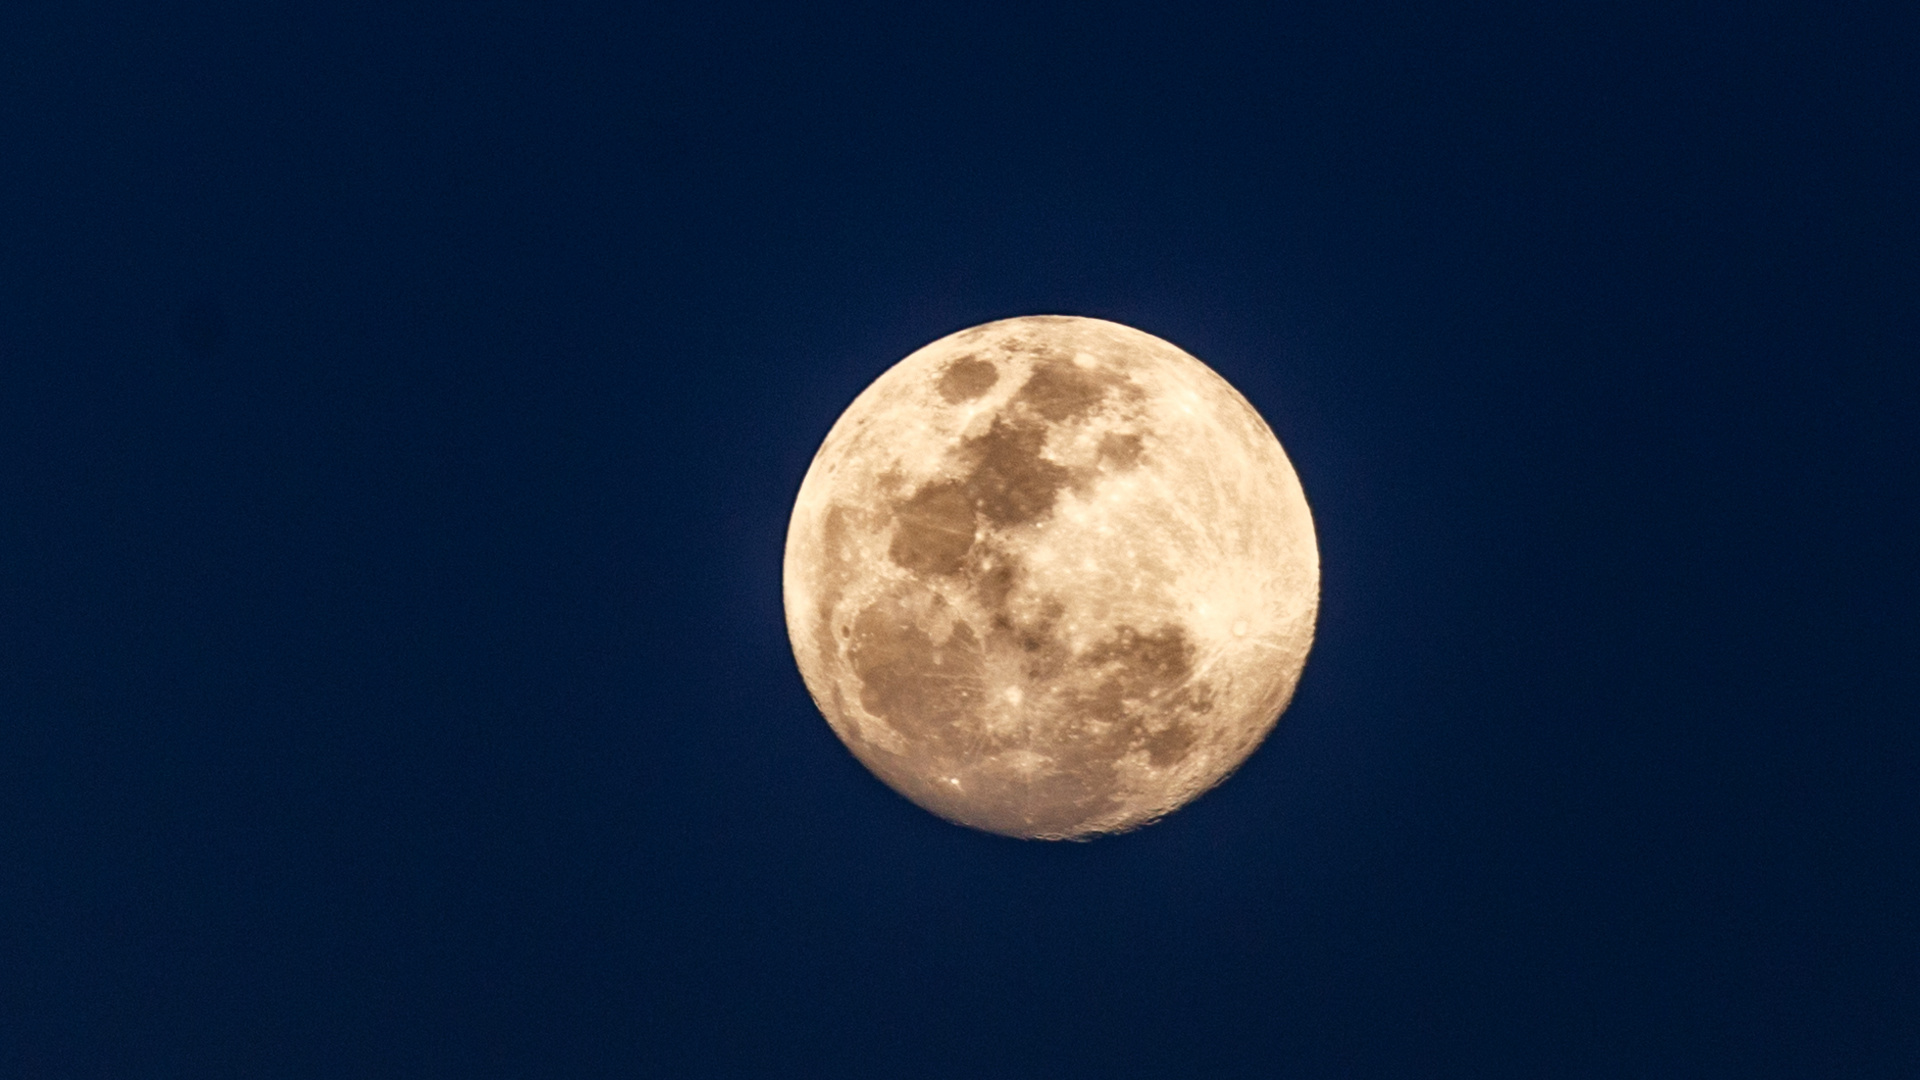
x=400, y=409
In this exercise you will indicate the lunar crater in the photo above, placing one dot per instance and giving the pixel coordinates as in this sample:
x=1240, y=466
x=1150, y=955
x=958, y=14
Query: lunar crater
x=1008, y=568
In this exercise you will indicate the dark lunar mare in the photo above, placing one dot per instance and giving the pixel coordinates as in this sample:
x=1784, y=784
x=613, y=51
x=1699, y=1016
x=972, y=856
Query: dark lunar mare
x=1006, y=478
x=1132, y=691
x=967, y=378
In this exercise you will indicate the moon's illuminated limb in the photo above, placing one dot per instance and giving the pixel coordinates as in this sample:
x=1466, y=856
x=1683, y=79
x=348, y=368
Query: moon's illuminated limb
x=1051, y=577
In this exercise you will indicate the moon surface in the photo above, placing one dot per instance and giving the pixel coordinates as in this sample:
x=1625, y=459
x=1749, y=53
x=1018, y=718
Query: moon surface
x=1051, y=577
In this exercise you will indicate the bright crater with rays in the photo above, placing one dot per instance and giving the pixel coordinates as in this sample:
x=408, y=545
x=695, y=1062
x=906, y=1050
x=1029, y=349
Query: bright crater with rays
x=1051, y=577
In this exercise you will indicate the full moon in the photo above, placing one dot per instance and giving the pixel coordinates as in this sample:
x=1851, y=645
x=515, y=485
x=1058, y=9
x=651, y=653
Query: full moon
x=1051, y=577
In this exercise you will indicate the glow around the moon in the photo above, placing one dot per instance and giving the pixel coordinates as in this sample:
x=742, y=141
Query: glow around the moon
x=1051, y=577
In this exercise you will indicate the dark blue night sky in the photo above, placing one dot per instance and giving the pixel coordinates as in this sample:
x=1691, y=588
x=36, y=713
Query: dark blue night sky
x=400, y=410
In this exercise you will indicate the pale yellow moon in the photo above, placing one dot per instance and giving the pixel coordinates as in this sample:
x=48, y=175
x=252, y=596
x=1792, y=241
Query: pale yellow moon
x=1051, y=577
